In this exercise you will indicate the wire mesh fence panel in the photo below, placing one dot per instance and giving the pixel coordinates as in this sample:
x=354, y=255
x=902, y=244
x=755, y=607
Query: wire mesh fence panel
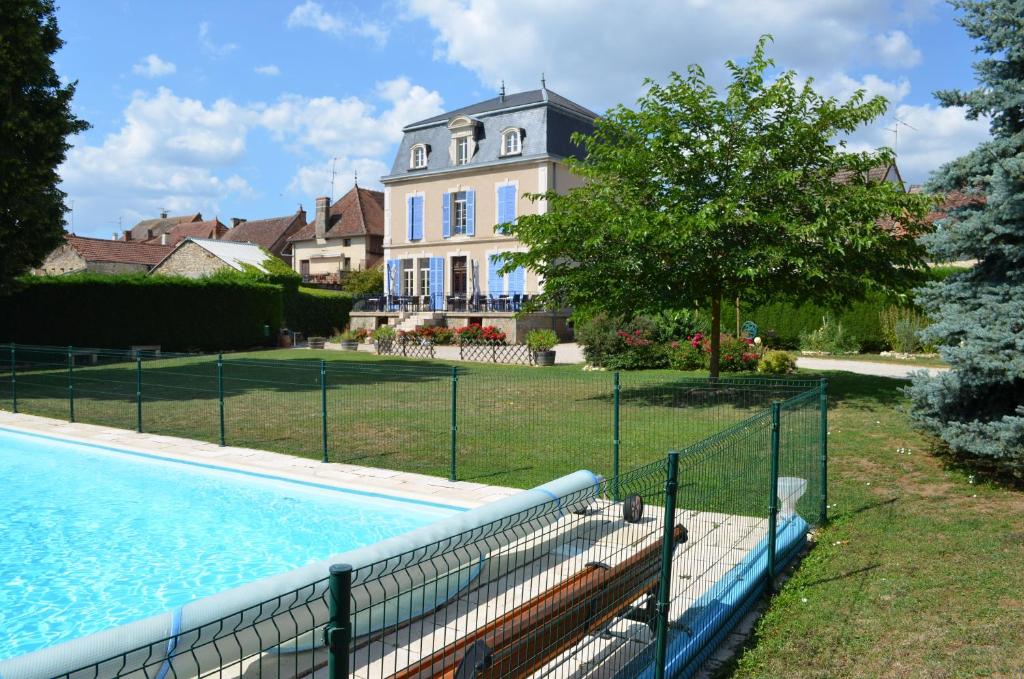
x=274, y=405
x=180, y=396
x=800, y=482
x=548, y=591
x=104, y=387
x=42, y=381
x=267, y=639
x=520, y=427
x=390, y=414
x=659, y=411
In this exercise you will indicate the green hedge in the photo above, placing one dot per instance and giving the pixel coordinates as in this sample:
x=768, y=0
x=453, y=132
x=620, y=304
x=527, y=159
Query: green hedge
x=317, y=312
x=179, y=314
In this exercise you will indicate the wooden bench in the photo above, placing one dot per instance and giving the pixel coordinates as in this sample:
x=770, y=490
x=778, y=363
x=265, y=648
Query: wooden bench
x=531, y=635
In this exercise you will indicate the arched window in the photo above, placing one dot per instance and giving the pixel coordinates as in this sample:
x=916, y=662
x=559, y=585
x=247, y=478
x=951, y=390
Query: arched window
x=511, y=142
x=418, y=157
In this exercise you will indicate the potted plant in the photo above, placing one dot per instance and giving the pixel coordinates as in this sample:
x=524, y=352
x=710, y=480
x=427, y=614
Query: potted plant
x=349, y=340
x=541, y=343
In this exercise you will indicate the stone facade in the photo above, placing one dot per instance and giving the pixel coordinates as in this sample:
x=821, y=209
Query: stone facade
x=65, y=259
x=190, y=260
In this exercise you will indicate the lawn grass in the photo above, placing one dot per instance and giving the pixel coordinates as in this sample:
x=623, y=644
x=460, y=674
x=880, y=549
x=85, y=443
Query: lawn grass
x=919, y=573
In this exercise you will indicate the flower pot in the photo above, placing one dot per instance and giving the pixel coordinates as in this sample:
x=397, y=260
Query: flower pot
x=544, y=357
x=349, y=345
x=316, y=342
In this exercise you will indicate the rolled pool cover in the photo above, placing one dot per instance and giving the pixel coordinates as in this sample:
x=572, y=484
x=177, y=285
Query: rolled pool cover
x=404, y=581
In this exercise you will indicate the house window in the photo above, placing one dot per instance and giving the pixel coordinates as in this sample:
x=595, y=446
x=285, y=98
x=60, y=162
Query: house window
x=346, y=242
x=462, y=150
x=419, y=157
x=510, y=143
x=459, y=213
x=408, y=276
x=424, y=265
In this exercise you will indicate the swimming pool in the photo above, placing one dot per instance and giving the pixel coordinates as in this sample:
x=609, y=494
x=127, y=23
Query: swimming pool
x=97, y=537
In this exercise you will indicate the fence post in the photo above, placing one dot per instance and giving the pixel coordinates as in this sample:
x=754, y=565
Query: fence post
x=71, y=384
x=338, y=632
x=773, y=493
x=323, y=407
x=665, y=582
x=138, y=392
x=616, y=391
x=220, y=394
x=823, y=449
x=452, y=471
x=14, y=378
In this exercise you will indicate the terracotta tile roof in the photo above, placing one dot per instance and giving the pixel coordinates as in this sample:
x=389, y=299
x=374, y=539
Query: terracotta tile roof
x=359, y=212
x=122, y=252
x=875, y=174
x=211, y=228
x=953, y=201
x=161, y=225
x=267, y=233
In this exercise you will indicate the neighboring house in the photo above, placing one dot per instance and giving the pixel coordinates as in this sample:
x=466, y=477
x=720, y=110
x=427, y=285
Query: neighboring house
x=456, y=179
x=210, y=229
x=101, y=256
x=199, y=257
x=271, y=234
x=347, y=236
x=148, y=229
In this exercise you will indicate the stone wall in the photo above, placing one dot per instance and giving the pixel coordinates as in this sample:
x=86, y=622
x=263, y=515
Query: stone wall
x=190, y=260
x=64, y=259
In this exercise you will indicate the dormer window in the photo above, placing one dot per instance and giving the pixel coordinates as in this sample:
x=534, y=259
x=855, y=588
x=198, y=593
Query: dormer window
x=462, y=150
x=511, y=142
x=418, y=157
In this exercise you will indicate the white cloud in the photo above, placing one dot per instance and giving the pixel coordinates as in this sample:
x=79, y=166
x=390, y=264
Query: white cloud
x=153, y=67
x=269, y=69
x=185, y=155
x=211, y=47
x=311, y=14
x=896, y=49
x=842, y=86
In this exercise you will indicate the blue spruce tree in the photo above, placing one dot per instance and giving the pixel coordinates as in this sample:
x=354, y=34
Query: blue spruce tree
x=977, y=408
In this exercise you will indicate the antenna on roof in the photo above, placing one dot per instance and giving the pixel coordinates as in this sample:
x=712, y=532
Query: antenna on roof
x=895, y=129
x=355, y=178
x=543, y=82
x=333, y=160
x=502, y=96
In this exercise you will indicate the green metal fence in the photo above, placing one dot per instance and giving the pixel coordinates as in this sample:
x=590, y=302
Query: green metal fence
x=646, y=585
x=496, y=425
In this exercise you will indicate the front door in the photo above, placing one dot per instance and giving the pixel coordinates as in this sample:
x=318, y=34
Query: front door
x=459, y=276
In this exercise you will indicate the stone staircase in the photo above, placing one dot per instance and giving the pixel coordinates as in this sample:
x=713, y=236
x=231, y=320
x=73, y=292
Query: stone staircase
x=409, y=320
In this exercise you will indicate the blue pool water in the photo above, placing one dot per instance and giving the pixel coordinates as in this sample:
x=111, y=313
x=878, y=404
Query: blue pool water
x=93, y=538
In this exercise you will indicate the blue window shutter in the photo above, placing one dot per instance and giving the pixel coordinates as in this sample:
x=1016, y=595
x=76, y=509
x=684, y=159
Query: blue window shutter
x=417, y=222
x=410, y=215
x=517, y=281
x=437, y=282
x=446, y=215
x=495, y=282
x=470, y=213
x=506, y=204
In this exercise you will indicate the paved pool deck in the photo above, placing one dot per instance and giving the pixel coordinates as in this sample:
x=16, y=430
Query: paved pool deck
x=343, y=476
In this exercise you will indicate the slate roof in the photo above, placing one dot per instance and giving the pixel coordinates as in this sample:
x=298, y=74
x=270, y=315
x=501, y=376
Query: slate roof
x=118, y=251
x=360, y=212
x=211, y=228
x=161, y=225
x=546, y=118
x=267, y=233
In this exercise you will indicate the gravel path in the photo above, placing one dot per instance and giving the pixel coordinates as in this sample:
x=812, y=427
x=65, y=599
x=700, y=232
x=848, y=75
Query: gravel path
x=862, y=367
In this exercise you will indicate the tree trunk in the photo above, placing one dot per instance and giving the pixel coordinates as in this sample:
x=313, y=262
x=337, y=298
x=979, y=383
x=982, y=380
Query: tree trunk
x=716, y=331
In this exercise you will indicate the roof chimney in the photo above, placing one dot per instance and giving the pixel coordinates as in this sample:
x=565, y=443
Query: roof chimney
x=163, y=215
x=322, y=203
x=149, y=234
x=163, y=239
x=127, y=234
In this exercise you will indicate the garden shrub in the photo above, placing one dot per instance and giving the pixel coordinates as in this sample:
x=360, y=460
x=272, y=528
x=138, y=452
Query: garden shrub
x=777, y=363
x=785, y=322
x=384, y=333
x=830, y=338
x=599, y=336
x=364, y=282
x=687, y=355
x=313, y=311
x=734, y=355
x=118, y=311
x=474, y=332
x=901, y=328
x=541, y=339
x=678, y=324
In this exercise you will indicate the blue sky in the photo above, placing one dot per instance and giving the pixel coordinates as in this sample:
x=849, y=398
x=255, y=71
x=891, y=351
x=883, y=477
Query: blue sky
x=238, y=109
